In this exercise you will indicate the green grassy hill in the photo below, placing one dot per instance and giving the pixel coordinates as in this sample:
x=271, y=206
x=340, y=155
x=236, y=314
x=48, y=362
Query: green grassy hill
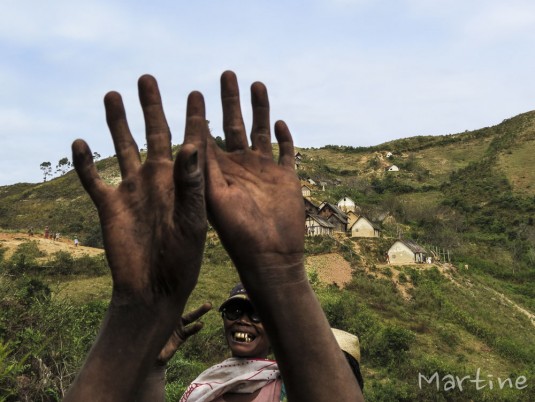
x=472, y=194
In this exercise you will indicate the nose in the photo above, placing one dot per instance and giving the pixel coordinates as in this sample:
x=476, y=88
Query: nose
x=244, y=319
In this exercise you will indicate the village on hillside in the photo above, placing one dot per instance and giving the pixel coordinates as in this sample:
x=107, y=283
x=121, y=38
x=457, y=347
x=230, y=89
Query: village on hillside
x=346, y=218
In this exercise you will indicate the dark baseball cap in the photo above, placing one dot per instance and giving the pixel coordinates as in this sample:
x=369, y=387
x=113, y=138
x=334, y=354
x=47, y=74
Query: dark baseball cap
x=238, y=292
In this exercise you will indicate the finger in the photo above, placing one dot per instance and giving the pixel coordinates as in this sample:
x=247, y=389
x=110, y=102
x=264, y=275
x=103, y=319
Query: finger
x=233, y=126
x=192, y=329
x=125, y=146
x=189, y=181
x=260, y=134
x=157, y=130
x=196, y=130
x=87, y=172
x=196, y=314
x=286, y=145
x=216, y=183
x=214, y=176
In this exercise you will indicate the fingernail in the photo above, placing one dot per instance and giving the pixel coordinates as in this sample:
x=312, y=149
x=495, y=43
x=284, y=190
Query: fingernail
x=191, y=164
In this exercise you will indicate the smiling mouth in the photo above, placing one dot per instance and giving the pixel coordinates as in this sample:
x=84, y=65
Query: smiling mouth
x=243, y=337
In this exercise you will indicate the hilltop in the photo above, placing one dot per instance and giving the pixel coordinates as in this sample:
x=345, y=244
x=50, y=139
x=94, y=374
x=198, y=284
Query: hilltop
x=470, y=193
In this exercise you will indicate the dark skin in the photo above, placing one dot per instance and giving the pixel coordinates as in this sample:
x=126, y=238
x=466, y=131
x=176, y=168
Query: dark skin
x=154, y=228
x=246, y=185
x=153, y=388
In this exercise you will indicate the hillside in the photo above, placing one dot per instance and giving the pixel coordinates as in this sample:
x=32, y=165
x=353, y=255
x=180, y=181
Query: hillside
x=471, y=193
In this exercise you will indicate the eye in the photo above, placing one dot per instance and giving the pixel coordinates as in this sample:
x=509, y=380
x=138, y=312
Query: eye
x=233, y=313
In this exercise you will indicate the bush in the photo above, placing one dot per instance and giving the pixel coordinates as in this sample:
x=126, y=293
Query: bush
x=390, y=345
x=33, y=290
x=9, y=370
x=63, y=263
x=24, y=259
x=48, y=339
x=388, y=390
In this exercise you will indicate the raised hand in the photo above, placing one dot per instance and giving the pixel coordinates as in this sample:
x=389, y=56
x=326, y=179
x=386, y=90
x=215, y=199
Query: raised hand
x=187, y=326
x=254, y=202
x=257, y=208
x=154, y=228
x=153, y=223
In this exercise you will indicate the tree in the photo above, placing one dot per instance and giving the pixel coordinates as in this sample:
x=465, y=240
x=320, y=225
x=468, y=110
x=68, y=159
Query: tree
x=96, y=156
x=63, y=165
x=46, y=167
x=220, y=143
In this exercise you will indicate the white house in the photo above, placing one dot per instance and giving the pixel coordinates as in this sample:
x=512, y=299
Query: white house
x=389, y=154
x=392, y=168
x=363, y=227
x=346, y=204
x=351, y=218
x=406, y=252
x=307, y=191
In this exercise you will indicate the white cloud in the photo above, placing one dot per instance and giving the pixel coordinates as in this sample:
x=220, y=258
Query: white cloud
x=338, y=71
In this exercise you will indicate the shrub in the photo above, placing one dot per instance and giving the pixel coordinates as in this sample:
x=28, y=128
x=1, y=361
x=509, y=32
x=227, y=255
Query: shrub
x=33, y=290
x=9, y=370
x=49, y=338
x=24, y=259
x=390, y=345
x=388, y=390
x=63, y=263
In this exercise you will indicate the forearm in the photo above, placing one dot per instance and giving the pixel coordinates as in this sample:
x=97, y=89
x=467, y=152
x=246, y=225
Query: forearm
x=153, y=388
x=300, y=335
x=128, y=343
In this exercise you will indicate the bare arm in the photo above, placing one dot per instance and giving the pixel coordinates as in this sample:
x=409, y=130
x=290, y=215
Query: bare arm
x=256, y=206
x=154, y=228
x=153, y=388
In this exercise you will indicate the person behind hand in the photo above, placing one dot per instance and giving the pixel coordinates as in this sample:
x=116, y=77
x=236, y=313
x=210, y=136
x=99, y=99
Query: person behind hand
x=248, y=375
x=350, y=346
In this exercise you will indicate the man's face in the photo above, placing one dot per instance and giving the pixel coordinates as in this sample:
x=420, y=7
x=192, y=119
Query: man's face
x=245, y=337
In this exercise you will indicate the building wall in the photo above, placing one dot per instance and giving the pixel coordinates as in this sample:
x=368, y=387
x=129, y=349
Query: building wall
x=351, y=218
x=338, y=226
x=313, y=228
x=400, y=254
x=362, y=228
x=346, y=205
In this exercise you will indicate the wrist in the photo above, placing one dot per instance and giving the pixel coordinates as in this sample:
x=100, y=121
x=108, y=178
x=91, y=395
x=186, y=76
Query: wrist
x=270, y=271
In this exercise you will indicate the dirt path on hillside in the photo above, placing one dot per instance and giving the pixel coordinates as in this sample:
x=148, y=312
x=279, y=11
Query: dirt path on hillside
x=10, y=242
x=518, y=308
x=331, y=268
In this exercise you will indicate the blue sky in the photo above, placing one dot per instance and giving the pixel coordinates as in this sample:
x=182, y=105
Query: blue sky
x=344, y=72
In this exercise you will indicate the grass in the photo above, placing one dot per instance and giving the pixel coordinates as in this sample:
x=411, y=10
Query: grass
x=82, y=290
x=517, y=165
x=455, y=328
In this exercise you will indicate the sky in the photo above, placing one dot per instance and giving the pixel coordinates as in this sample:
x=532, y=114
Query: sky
x=342, y=72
